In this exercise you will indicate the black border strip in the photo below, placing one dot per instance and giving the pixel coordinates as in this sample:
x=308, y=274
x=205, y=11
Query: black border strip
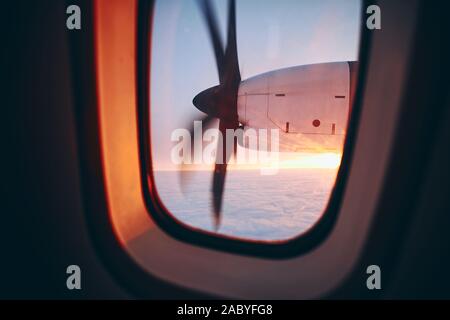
x=278, y=250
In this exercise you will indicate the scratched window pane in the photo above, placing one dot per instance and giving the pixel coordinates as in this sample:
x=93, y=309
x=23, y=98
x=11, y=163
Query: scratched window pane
x=249, y=111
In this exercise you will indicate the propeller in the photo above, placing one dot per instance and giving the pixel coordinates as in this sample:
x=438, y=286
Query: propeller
x=220, y=102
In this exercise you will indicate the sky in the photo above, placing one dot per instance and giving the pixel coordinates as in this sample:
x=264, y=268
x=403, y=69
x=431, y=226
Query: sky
x=270, y=35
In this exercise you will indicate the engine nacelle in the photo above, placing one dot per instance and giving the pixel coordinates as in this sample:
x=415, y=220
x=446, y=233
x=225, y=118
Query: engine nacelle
x=309, y=105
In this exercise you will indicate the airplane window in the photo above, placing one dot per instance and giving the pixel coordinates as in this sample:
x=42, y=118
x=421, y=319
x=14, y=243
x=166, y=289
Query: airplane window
x=249, y=102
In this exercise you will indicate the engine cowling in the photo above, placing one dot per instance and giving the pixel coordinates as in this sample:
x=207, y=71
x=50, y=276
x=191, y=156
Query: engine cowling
x=309, y=105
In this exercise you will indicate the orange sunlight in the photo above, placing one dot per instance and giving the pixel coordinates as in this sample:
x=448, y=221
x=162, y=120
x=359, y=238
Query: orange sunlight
x=326, y=160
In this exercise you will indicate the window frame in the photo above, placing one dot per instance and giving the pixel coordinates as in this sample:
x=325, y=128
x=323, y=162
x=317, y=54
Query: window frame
x=295, y=246
x=324, y=272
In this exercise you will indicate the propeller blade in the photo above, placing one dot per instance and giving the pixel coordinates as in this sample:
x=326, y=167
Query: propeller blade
x=233, y=76
x=214, y=35
x=221, y=101
x=220, y=170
